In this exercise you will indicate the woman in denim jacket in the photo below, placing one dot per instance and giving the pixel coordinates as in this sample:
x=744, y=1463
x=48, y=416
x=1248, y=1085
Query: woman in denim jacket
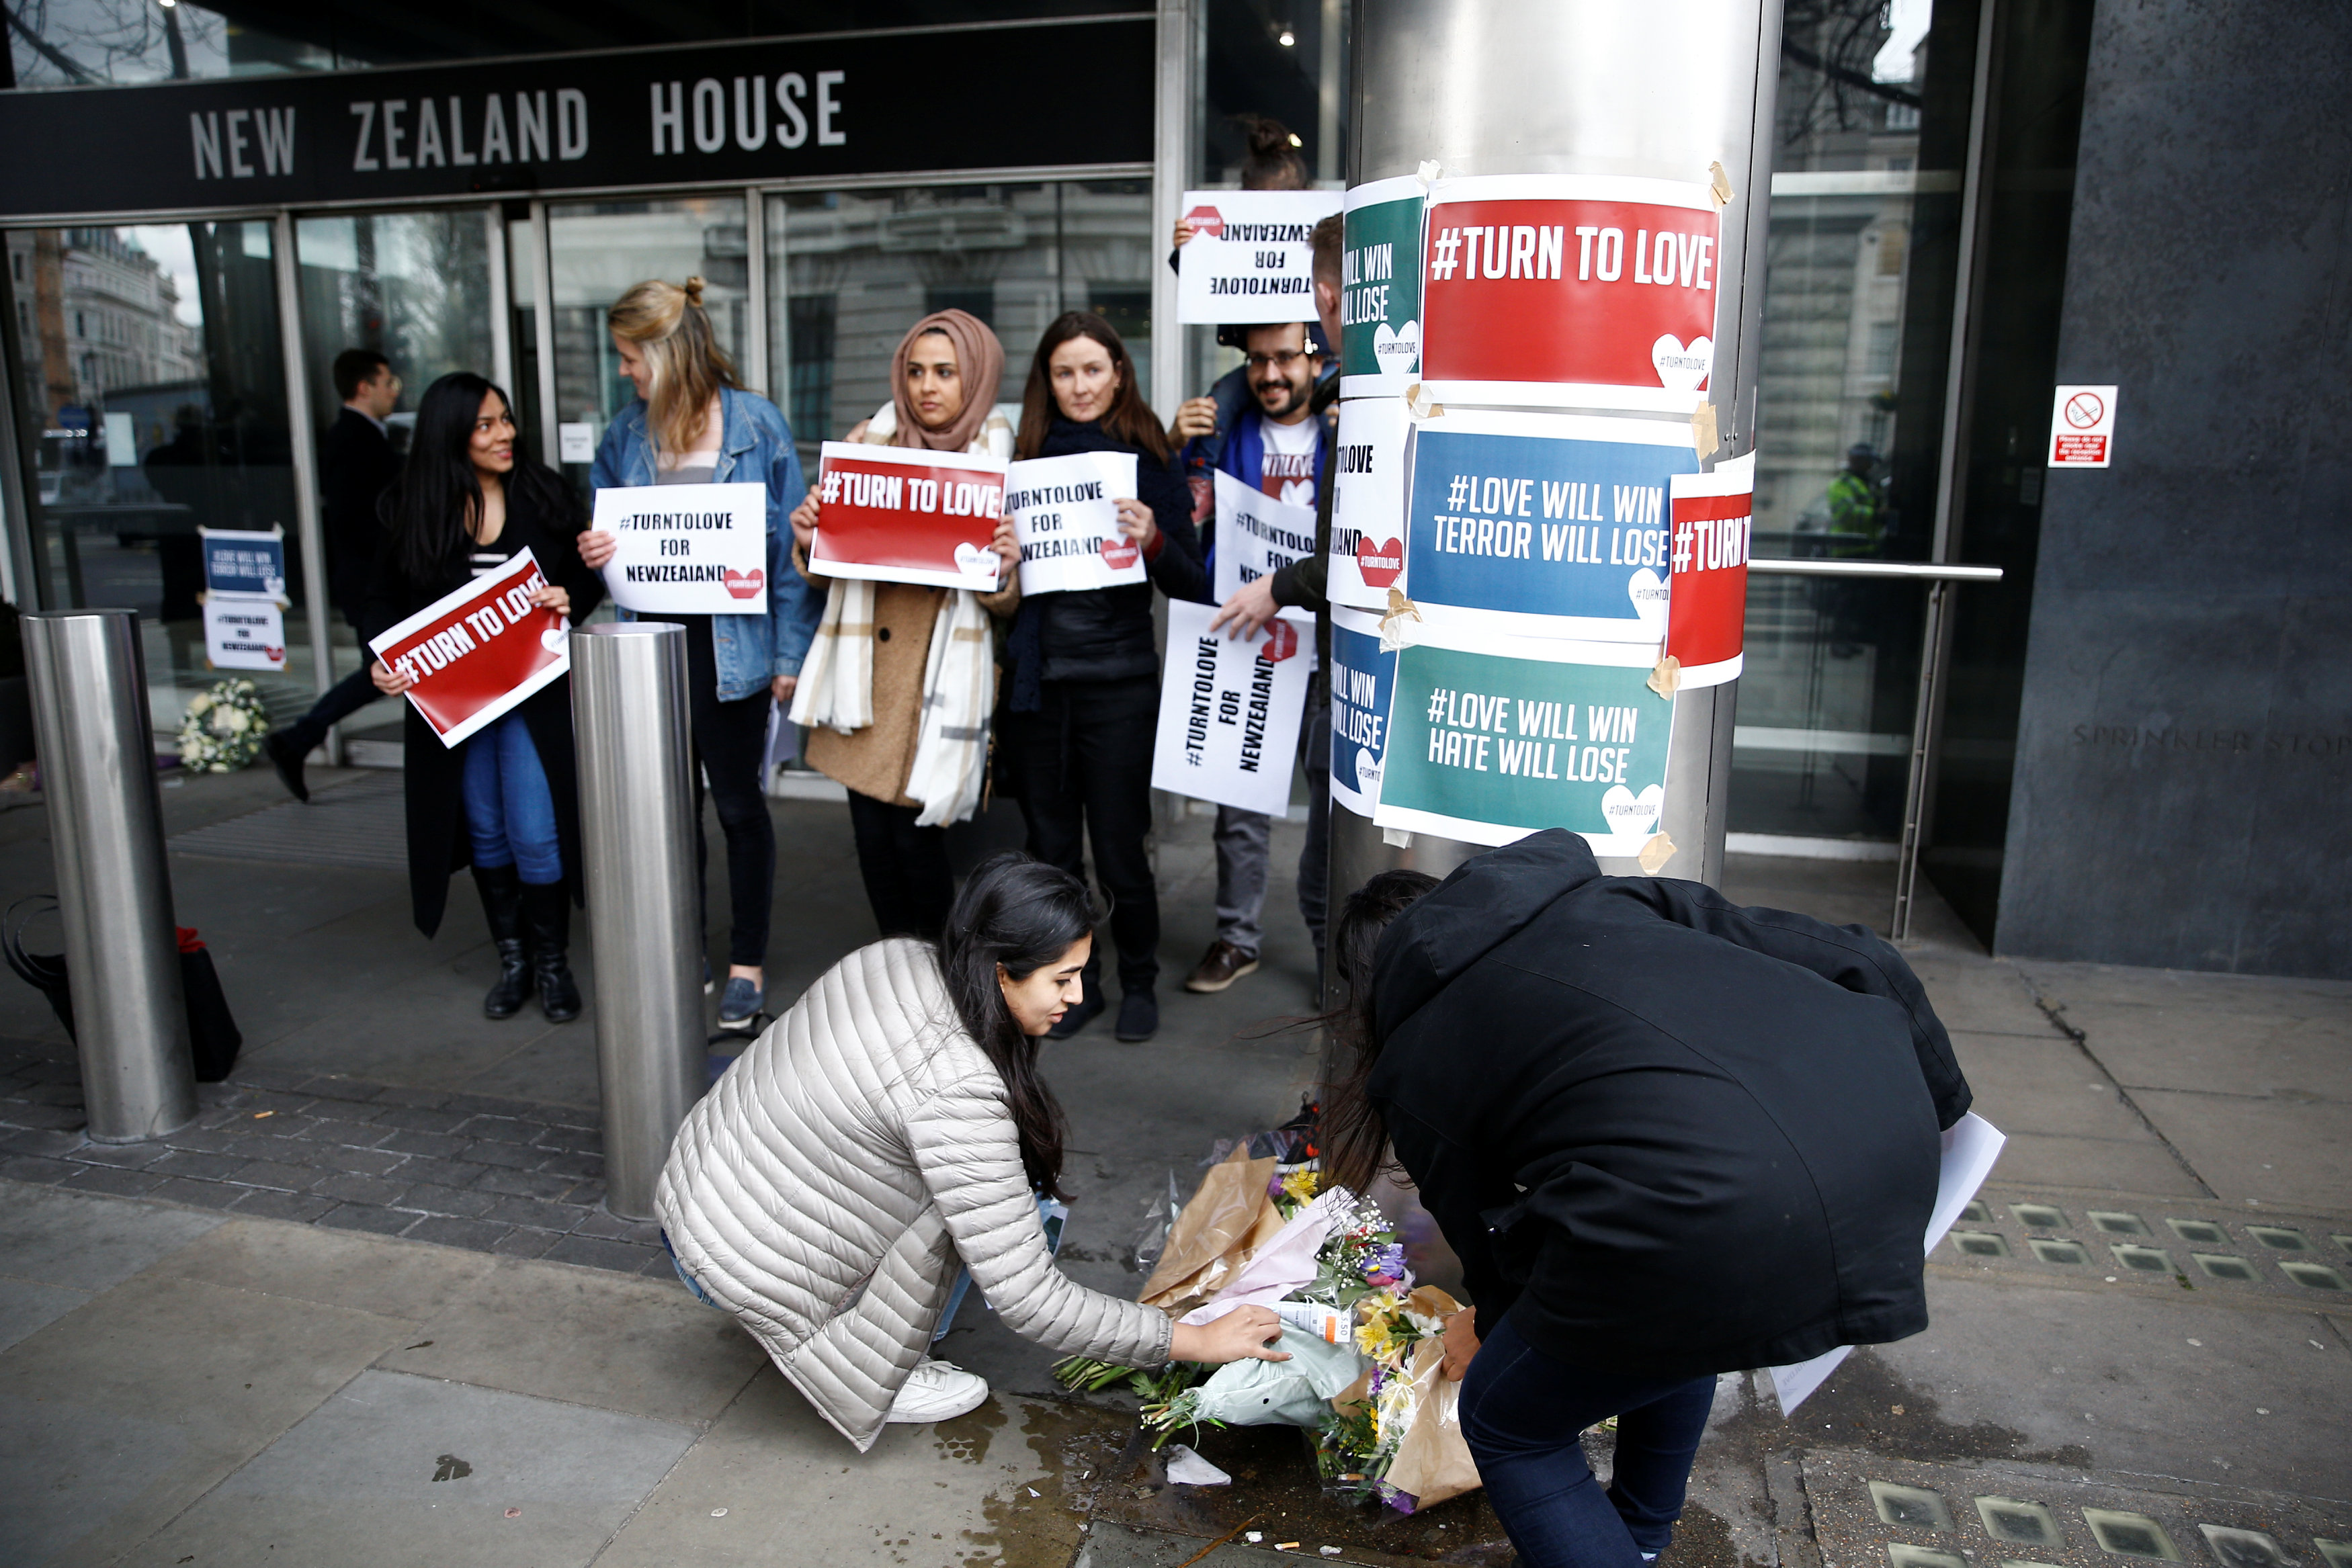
x=694, y=425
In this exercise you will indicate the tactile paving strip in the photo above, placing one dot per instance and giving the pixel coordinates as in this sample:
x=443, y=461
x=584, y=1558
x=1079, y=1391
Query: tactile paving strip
x=1871, y=1512
x=2199, y=1245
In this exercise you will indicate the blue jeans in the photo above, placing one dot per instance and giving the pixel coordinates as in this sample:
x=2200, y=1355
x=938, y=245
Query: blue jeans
x=1522, y=1412
x=510, y=810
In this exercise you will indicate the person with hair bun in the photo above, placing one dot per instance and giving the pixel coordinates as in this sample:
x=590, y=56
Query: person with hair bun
x=504, y=800
x=889, y=1129
x=694, y=423
x=1075, y=743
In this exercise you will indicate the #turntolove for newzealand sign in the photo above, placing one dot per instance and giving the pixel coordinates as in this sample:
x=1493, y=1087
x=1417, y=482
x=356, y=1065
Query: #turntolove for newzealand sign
x=742, y=109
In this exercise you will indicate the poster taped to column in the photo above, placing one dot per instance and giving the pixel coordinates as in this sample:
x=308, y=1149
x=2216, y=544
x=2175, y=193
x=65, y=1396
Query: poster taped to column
x=476, y=652
x=1594, y=291
x=244, y=561
x=902, y=514
x=1249, y=258
x=1380, y=289
x=1066, y=525
x=243, y=631
x=1489, y=746
x=2081, y=427
x=1230, y=709
x=1707, y=614
x=1368, y=468
x=1257, y=536
x=1543, y=525
x=686, y=549
x=1362, y=678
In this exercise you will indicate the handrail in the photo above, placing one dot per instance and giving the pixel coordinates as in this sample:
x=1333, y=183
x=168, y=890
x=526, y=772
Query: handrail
x=1913, y=570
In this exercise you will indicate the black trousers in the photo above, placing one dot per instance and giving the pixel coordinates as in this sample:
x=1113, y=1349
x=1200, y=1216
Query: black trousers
x=730, y=743
x=1084, y=762
x=905, y=867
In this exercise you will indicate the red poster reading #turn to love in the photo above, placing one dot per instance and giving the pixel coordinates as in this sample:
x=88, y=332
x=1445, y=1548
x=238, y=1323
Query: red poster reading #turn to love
x=478, y=651
x=905, y=515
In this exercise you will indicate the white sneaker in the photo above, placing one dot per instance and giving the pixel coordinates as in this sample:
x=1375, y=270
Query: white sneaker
x=937, y=1391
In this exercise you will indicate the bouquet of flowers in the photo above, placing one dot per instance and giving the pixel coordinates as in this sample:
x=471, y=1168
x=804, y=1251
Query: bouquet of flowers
x=224, y=726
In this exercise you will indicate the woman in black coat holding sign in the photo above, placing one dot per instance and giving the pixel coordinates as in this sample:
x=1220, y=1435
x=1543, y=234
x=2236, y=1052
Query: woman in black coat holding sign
x=1083, y=705
x=466, y=504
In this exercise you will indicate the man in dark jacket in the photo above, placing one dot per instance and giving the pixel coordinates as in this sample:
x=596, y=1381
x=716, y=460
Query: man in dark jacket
x=356, y=466
x=1669, y=1137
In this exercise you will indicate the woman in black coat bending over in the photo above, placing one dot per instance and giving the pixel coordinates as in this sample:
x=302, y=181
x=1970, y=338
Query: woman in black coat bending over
x=505, y=800
x=1669, y=1137
x=1074, y=741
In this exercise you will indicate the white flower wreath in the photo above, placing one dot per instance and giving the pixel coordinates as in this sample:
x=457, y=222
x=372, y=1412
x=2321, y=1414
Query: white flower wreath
x=224, y=727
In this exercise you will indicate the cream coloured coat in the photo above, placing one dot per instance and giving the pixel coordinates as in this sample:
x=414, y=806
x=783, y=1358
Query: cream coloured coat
x=824, y=1189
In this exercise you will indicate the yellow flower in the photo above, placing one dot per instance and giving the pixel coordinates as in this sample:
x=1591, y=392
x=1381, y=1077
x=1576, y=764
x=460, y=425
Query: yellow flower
x=1300, y=1185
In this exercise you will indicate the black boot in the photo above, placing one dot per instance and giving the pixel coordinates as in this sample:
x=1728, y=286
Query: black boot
x=548, y=912
x=288, y=750
x=501, y=890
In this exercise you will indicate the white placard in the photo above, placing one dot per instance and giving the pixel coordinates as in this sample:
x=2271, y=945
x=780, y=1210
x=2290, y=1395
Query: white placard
x=1367, y=502
x=243, y=631
x=687, y=549
x=1257, y=536
x=1970, y=1146
x=576, y=443
x=2083, y=427
x=1229, y=708
x=1066, y=524
x=1249, y=258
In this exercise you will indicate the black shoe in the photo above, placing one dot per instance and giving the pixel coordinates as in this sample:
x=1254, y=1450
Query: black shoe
x=286, y=755
x=548, y=912
x=1078, y=1018
x=501, y=890
x=1138, y=1016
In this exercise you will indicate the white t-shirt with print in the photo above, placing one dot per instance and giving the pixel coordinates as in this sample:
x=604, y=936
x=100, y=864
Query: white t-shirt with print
x=1289, y=460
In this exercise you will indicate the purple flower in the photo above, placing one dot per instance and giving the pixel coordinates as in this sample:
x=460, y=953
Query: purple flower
x=1385, y=1262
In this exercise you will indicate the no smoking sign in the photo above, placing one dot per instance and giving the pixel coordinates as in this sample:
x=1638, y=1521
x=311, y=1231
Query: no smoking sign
x=2083, y=427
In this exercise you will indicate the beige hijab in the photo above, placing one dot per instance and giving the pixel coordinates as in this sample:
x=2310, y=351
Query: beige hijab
x=980, y=362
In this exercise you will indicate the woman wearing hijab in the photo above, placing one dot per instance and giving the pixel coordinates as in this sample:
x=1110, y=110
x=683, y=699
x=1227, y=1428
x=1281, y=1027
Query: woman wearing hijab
x=900, y=681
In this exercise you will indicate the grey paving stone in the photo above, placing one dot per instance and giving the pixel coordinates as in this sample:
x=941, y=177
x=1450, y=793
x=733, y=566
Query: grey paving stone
x=621, y=1256
x=525, y=1183
x=25, y=1114
x=401, y=1095
x=489, y=1106
x=612, y=1227
x=121, y=1157
x=440, y=1173
x=428, y=1199
x=352, y=1091
x=367, y=1216
x=275, y=1173
x=50, y=1093
x=357, y=1135
x=577, y=1166
x=110, y=1178
x=297, y=1207
x=423, y=1119
x=278, y=1126
x=659, y=1266
x=36, y=1168
x=588, y=1194
x=267, y=1078
x=514, y=1157
x=439, y=1145
x=214, y=1139
x=555, y=1217
x=362, y=1161
x=501, y=1129
x=353, y=1188
x=524, y=1242
x=277, y=1100
x=474, y=1235
x=40, y=1141
x=197, y=1163
x=198, y=1194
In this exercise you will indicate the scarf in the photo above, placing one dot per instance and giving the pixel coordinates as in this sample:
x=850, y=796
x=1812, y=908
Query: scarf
x=980, y=365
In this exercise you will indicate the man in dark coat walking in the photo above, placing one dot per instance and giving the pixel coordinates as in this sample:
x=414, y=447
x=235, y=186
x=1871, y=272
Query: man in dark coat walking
x=356, y=466
x=1669, y=1137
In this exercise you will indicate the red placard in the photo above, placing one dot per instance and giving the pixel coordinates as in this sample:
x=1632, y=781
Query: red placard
x=1597, y=291
x=478, y=651
x=1707, y=603
x=904, y=515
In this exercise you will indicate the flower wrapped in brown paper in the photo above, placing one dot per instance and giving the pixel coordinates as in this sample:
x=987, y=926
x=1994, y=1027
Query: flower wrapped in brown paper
x=1225, y=1224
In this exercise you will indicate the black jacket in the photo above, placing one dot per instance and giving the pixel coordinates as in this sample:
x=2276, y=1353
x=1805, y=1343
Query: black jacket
x=434, y=780
x=1668, y=1136
x=356, y=464
x=1106, y=633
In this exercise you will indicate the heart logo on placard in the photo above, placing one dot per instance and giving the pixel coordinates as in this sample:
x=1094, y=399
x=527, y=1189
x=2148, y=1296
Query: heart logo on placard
x=1647, y=590
x=1682, y=368
x=552, y=638
x=1367, y=771
x=1379, y=561
x=1396, y=349
x=1118, y=551
x=274, y=655
x=1629, y=815
x=1207, y=221
x=746, y=584
x=977, y=561
x=1281, y=642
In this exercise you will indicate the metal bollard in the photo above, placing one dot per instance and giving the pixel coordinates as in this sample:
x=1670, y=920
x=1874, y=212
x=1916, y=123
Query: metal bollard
x=637, y=819
x=114, y=889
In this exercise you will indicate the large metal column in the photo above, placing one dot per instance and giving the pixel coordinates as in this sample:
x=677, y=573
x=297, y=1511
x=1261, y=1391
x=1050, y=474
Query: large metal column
x=114, y=891
x=1588, y=86
x=636, y=822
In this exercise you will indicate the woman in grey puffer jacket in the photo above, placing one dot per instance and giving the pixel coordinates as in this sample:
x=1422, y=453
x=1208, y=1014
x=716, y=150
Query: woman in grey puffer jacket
x=890, y=1126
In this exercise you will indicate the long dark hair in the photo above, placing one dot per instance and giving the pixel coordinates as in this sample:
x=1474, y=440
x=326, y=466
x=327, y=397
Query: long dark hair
x=1129, y=418
x=1025, y=914
x=1355, y=1140
x=437, y=495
